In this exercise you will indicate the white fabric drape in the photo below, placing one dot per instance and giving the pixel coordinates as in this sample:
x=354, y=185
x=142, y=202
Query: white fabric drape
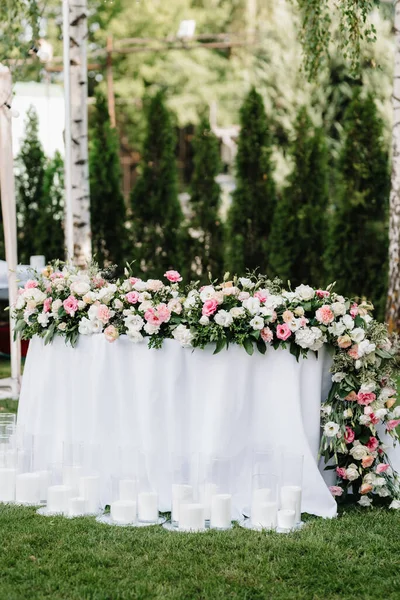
x=177, y=400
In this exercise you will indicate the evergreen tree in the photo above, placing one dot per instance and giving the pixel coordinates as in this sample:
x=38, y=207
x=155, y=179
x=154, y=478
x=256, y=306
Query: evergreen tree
x=299, y=226
x=156, y=212
x=31, y=164
x=107, y=204
x=253, y=202
x=357, y=252
x=206, y=247
x=49, y=228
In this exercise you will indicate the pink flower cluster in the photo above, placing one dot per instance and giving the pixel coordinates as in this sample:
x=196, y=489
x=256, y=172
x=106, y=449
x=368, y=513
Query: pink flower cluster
x=157, y=316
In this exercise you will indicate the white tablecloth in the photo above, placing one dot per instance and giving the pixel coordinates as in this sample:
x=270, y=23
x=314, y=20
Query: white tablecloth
x=174, y=400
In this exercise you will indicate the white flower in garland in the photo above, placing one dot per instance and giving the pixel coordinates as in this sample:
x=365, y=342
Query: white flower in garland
x=339, y=308
x=246, y=283
x=338, y=377
x=348, y=322
x=135, y=336
x=274, y=301
x=207, y=293
x=337, y=328
x=305, y=292
x=359, y=451
x=44, y=319
x=395, y=504
x=134, y=322
x=357, y=335
x=183, y=335
x=223, y=318
x=151, y=329
x=365, y=347
x=352, y=472
x=252, y=305
x=257, y=323
x=80, y=287
x=331, y=429
x=204, y=320
x=365, y=501
x=237, y=312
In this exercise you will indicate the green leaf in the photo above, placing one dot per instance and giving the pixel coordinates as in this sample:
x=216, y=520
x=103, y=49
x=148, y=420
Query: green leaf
x=248, y=346
x=295, y=350
x=261, y=346
x=220, y=345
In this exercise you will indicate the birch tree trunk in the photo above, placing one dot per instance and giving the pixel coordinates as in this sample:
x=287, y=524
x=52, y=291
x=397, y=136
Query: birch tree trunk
x=393, y=302
x=78, y=32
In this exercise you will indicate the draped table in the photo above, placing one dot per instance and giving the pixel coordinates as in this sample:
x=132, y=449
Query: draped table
x=177, y=399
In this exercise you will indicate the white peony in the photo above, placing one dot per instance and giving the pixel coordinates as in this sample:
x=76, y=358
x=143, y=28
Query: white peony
x=365, y=501
x=357, y=335
x=305, y=338
x=207, y=293
x=80, y=287
x=223, y=318
x=338, y=377
x=140, y=285
x=252, y=305
x=246, y=283
x=331, y=429
x=204, y=320
x=237, y=312
x=337, y=328
x=183, y=335
x=304, y=292
x=43, y=319
x=151, y=329
x=257, y=323
x=338, y=308
x=348, y=322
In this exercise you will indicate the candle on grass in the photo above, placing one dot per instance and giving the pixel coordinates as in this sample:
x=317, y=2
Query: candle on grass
x=221, y=511
x=286, y=519
x=148, y=507
x=77, y=506
x=265, y=515
x=89, y=487
x=123, y=511
x=58, y=498
x=7, y=484
x=181, y=493
x=191, y=517
x=291, y=499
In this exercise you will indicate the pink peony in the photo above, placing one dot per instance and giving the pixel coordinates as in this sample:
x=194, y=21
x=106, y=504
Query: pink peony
x=335, y=490
x=261, y=295
x=353, y=352
x=209, y=307
x=266, y=335
x=151, y=316
x=70, y=305
x=133, y=280
x=341, y=471
x=111, y=333
x=173, y=276
x=325, y=315
x=365, y=398
x=132, y=297
x=157, y=316
x=163, y=313
x=322, y=293
x=283, y=332
x=349, y=435
x=98, y=282
x=103, y=313
x=47, y=305
x=392, y=424
x=354, y=310
x=367, y=461
x=382, y=468
x=372, y=444
x=31, y=283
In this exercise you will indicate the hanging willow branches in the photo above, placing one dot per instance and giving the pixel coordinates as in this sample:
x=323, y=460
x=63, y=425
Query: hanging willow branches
x=316, y=30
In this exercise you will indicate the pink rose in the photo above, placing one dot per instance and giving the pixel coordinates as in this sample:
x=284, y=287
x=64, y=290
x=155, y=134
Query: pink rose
x=325, y=315
x=374, y=419
x=209, y=307
x=261, y=295
x=151, y=316
x=382, y=468
x=372, y=444
x=354, y=310
x=47, y=305
x=157, y=316
x=283, y=332
x=365, y=398
x=163, y=313
x=173, y=276
x=266, y=335
x=56, y=275
x=132, y=297
x=392, y=424
x=341, y=471
x=31, y=283
x=367, y=461
x=103, y=313
x=335, y=490
x=70, y=305
x=322, y=294
x=98, y=282
x=349, y=435
x=353, y=352
x=111, y=333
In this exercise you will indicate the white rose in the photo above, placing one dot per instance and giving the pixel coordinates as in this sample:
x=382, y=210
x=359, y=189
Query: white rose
x=299, y=311
x=246, y=283
x=367, y=319
x=118, y=305
x=357, y=335
x=151, y=329
x=338, y=377
x=257, y=323
x=395, y=504
x=126, y=286
x=289, y=295
x=145, y=305
x=62, y=326
x=140, y=286
x=92, y=312
x=320, y=339
x=35, y=294
x=154, y=285
x=89, y=298
x=237, y=312
x=352, y=472
x=85, y=326
x=135, y=336
x=191, y=300
x=379, y=481
x=348, y=322
x=386, y=392
x=366, y=347
x=81, y=304
x=55, y=306
x=43, y=319
x=106, y=293
x=207, y=293
x=79, y=287
x=20, y=303
x=274, y=301
x=368, y=387
x=338, y=308
x=364, y=419
x=204, y=320
x=359, y=452
x=144, y=296
x=365, y=501
x=396, y=412
x=380, y=413
x=383, y=492
x=252, y=305
x=183, y=335
x=331, y=429
x=304, y=292
x=337, y=328
x=134, y=322
x=223, y=318
x=97, y=326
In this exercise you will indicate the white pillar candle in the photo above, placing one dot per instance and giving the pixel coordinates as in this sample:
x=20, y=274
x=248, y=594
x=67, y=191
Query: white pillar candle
x=148, y=507
x=27, y=488
x=207, y=491
x=221, y=511
x=71, y=477
x=44, y=477
x=265, y=515
x=127, y=489
x=89, y=487
x=291, y=499
x=191, y=517
x=58, y=498
x=123, y=511
x=77, y=506
x=286, y=518
x=180, y=493
x=259, y=497
x=7, y=485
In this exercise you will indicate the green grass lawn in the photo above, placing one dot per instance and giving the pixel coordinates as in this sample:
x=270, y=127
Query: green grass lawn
x=353, y=557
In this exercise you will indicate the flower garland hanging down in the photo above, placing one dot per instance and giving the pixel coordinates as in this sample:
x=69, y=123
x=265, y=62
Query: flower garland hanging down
x=253, y=312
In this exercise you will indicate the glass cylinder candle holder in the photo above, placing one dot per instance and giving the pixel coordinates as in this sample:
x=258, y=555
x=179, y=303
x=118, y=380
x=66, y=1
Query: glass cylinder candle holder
x=264, y=461
x=58, y=493
x=291, y=483
x=215, y=493
x=184, y=482
x=147, y=497
x=8, y=470
x=264, y=502
x=127, y=471
x=72, y=461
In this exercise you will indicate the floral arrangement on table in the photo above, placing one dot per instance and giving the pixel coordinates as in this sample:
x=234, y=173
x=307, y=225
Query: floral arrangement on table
x=255, y=313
